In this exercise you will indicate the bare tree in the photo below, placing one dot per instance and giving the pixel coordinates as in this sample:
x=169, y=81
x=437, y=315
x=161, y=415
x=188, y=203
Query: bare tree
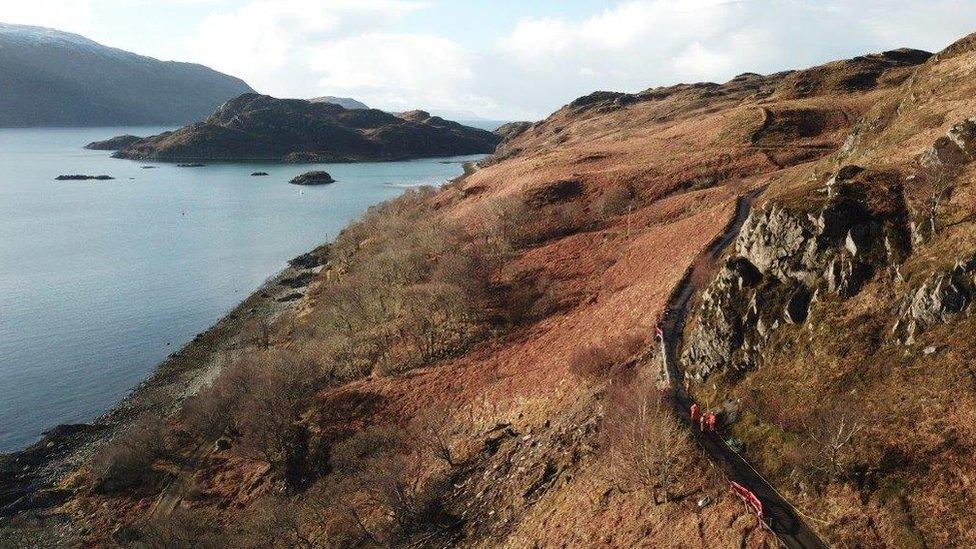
x=834, y=437
x=648, y=447
x=928, y=190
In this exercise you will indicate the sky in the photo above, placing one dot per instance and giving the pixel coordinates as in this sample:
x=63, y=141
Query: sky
x=500, y=59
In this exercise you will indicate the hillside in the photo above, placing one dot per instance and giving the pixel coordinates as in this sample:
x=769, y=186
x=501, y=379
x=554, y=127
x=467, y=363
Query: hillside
x=256, y=127
x=476, y=366
x=53, y=78
x=842, y=321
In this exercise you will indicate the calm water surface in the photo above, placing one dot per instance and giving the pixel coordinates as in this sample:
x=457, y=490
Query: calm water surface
x=99, y=281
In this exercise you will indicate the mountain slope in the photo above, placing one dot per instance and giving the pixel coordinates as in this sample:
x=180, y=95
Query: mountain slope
x=259, y=127
x=52, y=78
x=842, y=322
x=475, y=365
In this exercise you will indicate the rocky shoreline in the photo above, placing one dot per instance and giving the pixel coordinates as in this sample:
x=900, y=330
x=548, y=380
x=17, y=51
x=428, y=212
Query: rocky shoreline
x=30, y=479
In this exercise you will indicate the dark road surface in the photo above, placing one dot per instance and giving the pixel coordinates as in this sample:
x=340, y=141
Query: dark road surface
x=781, y=517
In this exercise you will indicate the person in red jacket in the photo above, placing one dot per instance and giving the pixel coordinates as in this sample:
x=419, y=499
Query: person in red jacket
x=694, y=412
x=712, y=421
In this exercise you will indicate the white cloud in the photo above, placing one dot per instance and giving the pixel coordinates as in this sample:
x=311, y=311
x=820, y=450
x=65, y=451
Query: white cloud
x=269, y=43
x=370, y=50
x=399, y=71
x=697, y=61
x=535, y=39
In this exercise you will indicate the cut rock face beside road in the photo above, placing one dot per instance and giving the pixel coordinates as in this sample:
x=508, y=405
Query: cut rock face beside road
x=785, y=256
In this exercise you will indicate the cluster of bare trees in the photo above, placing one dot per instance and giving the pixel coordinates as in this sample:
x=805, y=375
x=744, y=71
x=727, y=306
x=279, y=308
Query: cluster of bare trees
x=407, y=293
x=127, y=461
x=257, y=399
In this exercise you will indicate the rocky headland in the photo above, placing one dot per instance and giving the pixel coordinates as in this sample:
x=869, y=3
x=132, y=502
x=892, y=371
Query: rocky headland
x=114, y=144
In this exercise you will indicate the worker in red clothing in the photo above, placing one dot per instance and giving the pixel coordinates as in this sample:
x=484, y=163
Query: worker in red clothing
x=703, y=423
x=694, y=412
x=712, y=421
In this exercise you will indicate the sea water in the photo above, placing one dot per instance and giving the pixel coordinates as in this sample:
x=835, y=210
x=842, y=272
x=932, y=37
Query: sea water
x=101, y=280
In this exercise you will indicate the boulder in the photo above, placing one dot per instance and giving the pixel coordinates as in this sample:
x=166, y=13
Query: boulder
x=941, y=297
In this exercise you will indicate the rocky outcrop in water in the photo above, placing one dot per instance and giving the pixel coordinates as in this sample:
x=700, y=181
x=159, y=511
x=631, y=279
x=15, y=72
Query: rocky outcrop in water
x=83, y=178
x=313, y=178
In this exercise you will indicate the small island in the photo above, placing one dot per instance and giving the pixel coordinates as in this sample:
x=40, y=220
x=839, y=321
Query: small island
x=259, y=174
x=83, y=177
x=260, y=128
x=313, y=178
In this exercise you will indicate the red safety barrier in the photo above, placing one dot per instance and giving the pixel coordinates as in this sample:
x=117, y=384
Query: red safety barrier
x=748, y=498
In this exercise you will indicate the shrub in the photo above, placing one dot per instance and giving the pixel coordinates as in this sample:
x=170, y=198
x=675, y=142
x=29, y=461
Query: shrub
x=350, y=457
x=190, y=528
x=615, y=200
x=126, y=461
x=258, y=398
x=597, y=360
x=416, y=506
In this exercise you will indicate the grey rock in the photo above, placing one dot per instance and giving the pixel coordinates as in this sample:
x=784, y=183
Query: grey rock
x=939, y=299
x=955, y=148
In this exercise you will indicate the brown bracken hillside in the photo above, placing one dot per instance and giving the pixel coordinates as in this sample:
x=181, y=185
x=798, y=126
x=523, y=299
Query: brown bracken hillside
x=475, y=366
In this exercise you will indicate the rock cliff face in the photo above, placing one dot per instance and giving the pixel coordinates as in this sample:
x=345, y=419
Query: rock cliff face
x=256, y=127
x=788, y=255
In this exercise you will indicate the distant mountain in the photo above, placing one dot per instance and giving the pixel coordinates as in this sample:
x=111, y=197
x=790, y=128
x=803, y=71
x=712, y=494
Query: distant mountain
x=345, y=102
x=54, y=78
x=256, y=127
